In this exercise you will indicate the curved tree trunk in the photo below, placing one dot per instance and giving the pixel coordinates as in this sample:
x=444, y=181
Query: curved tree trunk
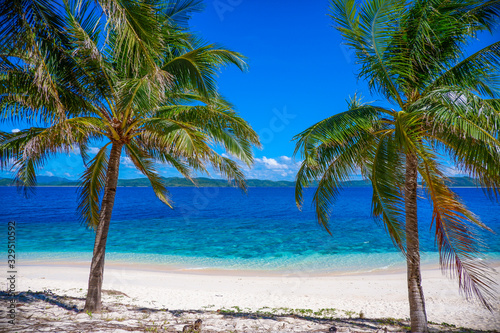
x=93, y=301
x=418, y=316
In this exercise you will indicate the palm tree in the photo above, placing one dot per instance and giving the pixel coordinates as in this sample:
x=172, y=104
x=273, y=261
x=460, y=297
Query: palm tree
x=139, y=83
x=444, y=108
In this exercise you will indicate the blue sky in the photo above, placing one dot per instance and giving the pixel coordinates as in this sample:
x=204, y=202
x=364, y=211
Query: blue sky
x=299, y=74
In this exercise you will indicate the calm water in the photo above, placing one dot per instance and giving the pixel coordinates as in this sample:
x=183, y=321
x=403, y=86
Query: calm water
x=223, y=228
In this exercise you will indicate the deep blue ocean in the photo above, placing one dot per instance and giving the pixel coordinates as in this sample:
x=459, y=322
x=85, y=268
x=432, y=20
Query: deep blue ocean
x=223, y=228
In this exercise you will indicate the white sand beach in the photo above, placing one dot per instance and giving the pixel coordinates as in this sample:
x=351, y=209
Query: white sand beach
x=139, y=289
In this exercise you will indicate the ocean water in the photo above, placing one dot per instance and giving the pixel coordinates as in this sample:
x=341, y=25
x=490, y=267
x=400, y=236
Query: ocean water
x=225, y=229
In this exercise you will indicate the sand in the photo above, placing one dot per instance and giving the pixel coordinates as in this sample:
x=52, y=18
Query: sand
x=178, y=297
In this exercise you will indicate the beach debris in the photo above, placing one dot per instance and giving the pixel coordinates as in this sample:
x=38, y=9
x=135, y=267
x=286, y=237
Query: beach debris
x=193, y=328
x=332, y=329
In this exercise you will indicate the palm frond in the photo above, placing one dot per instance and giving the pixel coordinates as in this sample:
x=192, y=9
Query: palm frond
x=180, y=163
x=372, y=32
x=145, y=164
x=468, y=129
x=141, y=94
x=179, y=12
x=197, y=68
x=228, y=168
x=20, y=18
x=84, y=30
x=463, y=112
x=339, y=130
x=387, y=178
x=478, y=72
x=24, y=152
x=91, y=186
x=28, y=149
x=174, y=136
x=458, y=244
x=483, y=13
x=223, y=126
x=134, y=34
x=332, y=150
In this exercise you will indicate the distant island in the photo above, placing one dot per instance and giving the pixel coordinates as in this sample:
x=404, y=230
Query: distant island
x=207, y=182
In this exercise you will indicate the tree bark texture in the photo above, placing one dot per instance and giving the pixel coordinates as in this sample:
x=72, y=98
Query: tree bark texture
x=418, y=316
x=93, y=301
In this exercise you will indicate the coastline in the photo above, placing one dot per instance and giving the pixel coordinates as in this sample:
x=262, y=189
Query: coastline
x=376, y=294
x=313, y=265
x=215, y=271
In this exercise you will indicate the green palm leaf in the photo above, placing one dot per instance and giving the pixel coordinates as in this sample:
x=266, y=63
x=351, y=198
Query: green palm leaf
x=457, y=242
x=145, y=164
x=91, y=186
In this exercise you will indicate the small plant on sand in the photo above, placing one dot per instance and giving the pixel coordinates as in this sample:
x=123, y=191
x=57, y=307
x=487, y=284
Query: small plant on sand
x=325, y=313
x=303, y=312
x=349, y=313
x=156, y=327
x=265, y=312
x=237, y=309
x=387, y=321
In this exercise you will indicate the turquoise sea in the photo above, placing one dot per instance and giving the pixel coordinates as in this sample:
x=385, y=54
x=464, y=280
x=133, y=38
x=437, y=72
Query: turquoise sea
x=224, y=229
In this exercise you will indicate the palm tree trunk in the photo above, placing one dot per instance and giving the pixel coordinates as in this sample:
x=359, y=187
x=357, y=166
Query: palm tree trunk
x=93, y=301
x=418, y=316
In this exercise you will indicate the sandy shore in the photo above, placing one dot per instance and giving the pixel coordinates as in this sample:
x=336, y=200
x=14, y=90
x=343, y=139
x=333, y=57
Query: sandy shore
x=377, y=295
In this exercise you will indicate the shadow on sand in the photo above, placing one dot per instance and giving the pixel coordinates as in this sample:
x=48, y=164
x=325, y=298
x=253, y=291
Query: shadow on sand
x=26, y=324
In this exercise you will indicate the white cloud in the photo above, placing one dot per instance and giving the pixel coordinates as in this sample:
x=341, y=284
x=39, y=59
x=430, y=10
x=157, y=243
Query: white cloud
x=48, y=173
x=271, y=168
x=127, y=162
x=278, y=168
x=15, y=130
x=271, y=163
x=93, y=150
x=453, y=171
x=68, y=175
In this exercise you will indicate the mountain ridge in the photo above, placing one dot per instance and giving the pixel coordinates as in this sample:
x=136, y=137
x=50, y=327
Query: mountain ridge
x=208, y=182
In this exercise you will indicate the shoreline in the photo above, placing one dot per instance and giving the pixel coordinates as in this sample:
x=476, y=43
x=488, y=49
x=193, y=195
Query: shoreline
x=377, y=295
x=212, y=271
x=429, y=261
